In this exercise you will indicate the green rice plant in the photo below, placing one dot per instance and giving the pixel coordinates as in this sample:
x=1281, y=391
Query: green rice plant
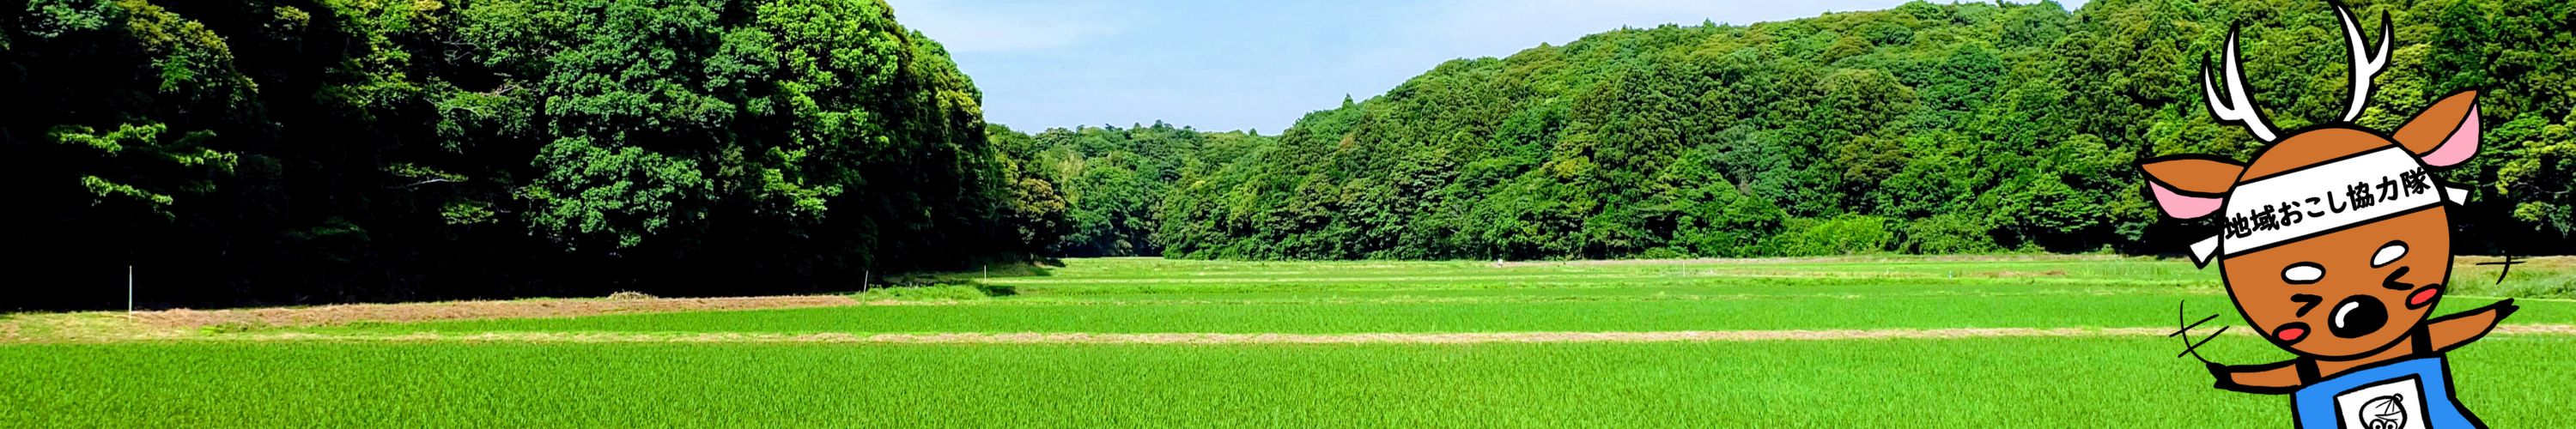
x=2510, y=381
x=1821, y=312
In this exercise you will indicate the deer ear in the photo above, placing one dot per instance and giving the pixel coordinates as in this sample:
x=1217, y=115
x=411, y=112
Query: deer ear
x=2191, y=186
x=2445, y=134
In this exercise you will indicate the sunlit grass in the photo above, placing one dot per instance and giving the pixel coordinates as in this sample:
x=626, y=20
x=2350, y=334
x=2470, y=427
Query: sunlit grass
x=2040, y=311
x=1983, y=382
x=207, y=380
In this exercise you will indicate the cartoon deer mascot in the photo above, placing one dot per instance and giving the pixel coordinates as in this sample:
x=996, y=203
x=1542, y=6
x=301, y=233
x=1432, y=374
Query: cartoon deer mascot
x=2338, y=228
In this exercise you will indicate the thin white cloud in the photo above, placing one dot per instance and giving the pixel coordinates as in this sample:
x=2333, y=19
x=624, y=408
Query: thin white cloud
x=1001, y=26
x=1233, y=64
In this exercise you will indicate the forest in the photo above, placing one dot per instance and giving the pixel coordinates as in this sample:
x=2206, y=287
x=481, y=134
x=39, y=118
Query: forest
x=1107, y=183
x=1928, y=128
x=295, y=152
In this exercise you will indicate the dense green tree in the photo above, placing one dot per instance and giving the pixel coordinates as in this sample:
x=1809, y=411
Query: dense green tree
x=1926, y=128
x=1109, y=183
x=284, y=151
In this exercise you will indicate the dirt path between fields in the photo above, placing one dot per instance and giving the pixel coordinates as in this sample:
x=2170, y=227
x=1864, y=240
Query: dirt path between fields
x=2461, y=261
x=1203, y=338
x=1825, y=259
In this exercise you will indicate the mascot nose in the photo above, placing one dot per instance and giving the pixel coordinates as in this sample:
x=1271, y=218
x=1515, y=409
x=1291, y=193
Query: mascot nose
x=2357, y=316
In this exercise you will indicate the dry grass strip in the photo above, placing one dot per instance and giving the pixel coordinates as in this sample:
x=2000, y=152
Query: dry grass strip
x=1203, y=338
x=2461, y=261
x=1815, y=259
x=2528, y=262
x=2533, y=330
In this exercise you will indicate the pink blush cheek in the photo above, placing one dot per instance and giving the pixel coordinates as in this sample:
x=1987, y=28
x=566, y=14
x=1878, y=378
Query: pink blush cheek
x=2423, y=296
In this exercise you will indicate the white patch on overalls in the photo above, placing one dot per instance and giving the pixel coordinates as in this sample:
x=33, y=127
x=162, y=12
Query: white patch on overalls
x=2393, y=404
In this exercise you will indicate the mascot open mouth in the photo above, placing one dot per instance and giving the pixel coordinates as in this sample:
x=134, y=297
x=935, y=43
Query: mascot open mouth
x=2357, y=316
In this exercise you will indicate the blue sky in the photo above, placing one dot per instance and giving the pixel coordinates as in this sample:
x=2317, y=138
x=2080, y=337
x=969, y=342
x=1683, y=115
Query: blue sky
x=1231, y=65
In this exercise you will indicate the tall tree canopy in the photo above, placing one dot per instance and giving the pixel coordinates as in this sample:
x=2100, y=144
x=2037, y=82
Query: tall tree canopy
x=1926, y=128
x=287, y=151
x=1111, y=181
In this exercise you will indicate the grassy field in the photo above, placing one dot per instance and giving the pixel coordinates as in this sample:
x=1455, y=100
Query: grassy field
x=1360, y=316
x=373, y=375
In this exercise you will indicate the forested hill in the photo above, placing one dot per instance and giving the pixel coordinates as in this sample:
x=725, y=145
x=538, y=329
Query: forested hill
x=1926, y=128
x=1101, y=188
x=297, y=151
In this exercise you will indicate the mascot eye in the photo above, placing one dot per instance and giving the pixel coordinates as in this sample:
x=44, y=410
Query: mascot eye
x=2388, y=253
x=2303, y=273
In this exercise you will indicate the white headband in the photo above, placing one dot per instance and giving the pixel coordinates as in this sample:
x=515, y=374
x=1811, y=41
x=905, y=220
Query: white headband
x=2323, y=198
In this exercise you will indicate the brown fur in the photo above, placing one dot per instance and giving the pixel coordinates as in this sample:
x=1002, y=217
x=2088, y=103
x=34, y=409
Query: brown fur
x=2254, y=280
x=2271, y=303
x=2429, y=129
x=2311, y=148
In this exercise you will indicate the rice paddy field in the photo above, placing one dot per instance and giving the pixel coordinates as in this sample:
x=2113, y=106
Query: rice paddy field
x=1992, y=341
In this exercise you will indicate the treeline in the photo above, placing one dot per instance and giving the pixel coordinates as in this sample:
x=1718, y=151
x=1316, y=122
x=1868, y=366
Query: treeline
x=1101, y=189
x=297, y=151
x=1927, y=128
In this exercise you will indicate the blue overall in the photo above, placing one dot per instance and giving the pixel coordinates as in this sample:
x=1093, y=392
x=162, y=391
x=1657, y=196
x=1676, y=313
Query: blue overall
x=2413, y=392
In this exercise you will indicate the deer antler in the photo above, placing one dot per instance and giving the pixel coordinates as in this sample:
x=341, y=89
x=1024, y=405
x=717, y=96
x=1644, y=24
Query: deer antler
x=2238, y=107
x=2364, y=64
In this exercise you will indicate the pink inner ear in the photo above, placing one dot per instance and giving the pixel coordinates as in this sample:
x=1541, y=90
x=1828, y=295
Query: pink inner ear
x=2462, y=144
x=2182, y=206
